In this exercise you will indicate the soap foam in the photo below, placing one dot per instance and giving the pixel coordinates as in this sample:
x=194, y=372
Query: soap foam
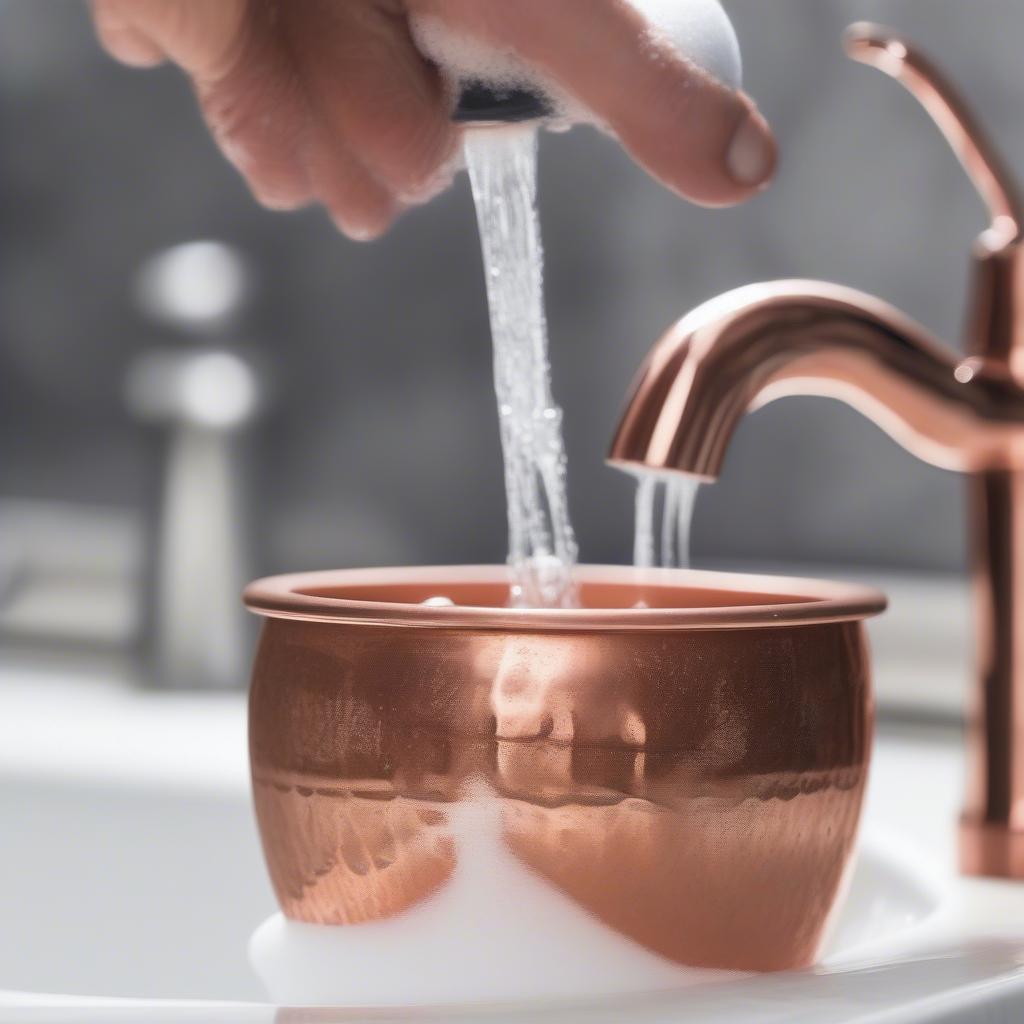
x=463, y=58
x=495, y=931
x=697, y=30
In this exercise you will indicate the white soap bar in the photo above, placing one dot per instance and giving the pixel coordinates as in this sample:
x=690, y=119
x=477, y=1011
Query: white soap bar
x=494, y=932
x=699, y=30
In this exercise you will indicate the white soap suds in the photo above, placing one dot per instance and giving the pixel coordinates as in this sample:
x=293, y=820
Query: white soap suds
x=495, y=931
x=698, y=30
x=462, y=58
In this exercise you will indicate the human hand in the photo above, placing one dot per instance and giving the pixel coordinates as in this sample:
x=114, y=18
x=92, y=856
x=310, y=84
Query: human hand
x=330, y=100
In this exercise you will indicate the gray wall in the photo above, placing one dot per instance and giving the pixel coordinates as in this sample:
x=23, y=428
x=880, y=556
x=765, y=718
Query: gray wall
x=383, y=446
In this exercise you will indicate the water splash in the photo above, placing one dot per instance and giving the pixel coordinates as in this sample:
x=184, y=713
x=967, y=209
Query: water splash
x=502, y=165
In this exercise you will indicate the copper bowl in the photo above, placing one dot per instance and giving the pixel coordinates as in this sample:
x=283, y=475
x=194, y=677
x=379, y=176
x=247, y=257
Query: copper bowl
x=690, y=771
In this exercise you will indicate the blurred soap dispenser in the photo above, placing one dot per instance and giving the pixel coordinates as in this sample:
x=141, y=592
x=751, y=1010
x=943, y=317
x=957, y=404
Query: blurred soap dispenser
x=496, y=87
x=198, y=391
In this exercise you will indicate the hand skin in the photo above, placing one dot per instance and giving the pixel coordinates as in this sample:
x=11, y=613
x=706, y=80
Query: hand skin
x=330, y=101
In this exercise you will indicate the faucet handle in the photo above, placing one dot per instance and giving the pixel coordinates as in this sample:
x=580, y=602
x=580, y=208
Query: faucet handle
x=887, y=50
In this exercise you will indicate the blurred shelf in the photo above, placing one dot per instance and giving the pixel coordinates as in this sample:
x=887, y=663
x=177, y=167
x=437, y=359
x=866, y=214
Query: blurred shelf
x=68, y=575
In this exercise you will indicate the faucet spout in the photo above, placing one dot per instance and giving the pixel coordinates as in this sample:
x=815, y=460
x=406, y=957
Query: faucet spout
x=762, y=342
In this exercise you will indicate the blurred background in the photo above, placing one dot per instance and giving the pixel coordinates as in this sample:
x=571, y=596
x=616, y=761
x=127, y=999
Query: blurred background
x=376, y=439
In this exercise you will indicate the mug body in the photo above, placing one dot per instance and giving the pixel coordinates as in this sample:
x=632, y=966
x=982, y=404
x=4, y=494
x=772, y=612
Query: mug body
x=684, y=757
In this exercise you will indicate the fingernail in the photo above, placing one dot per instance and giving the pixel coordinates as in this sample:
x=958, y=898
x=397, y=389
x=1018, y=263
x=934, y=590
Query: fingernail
x=357, y=230
x=751, y=153
x=280, y=202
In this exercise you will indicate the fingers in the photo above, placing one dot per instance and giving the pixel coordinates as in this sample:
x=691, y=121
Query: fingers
x=198, y=35
x=265, y=125
x=121, y=38
x=358, y=203
x=319, y=100
x=695, y=135
x=257, y=112
x=264, y=141
x=369, y=85
x=331, y=100
x=243, y=85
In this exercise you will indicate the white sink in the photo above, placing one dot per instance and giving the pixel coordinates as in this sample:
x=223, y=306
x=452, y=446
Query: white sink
x=128, y=891
x=130, y=860
x=131, y=870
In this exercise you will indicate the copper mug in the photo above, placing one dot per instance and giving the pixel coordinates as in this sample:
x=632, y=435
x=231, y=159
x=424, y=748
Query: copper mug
x=684, y=756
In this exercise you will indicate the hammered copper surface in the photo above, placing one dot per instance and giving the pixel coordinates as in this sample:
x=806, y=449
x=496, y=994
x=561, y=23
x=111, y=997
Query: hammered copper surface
x=753, y=345
x=696, y=788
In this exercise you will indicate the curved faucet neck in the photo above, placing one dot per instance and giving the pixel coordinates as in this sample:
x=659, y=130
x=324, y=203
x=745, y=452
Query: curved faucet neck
x=756, y=344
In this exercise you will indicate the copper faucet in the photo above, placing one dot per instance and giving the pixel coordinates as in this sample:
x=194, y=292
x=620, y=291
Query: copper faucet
x=753, y=345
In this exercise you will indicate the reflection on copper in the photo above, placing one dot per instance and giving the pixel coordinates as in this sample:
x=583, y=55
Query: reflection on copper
x=690, y=773
x=756, y=344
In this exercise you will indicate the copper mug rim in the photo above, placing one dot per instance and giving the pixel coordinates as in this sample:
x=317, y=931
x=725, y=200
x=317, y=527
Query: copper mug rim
x=674, y=599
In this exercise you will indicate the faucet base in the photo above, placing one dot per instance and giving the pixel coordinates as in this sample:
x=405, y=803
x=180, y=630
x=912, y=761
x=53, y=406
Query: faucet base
x=991, y=849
